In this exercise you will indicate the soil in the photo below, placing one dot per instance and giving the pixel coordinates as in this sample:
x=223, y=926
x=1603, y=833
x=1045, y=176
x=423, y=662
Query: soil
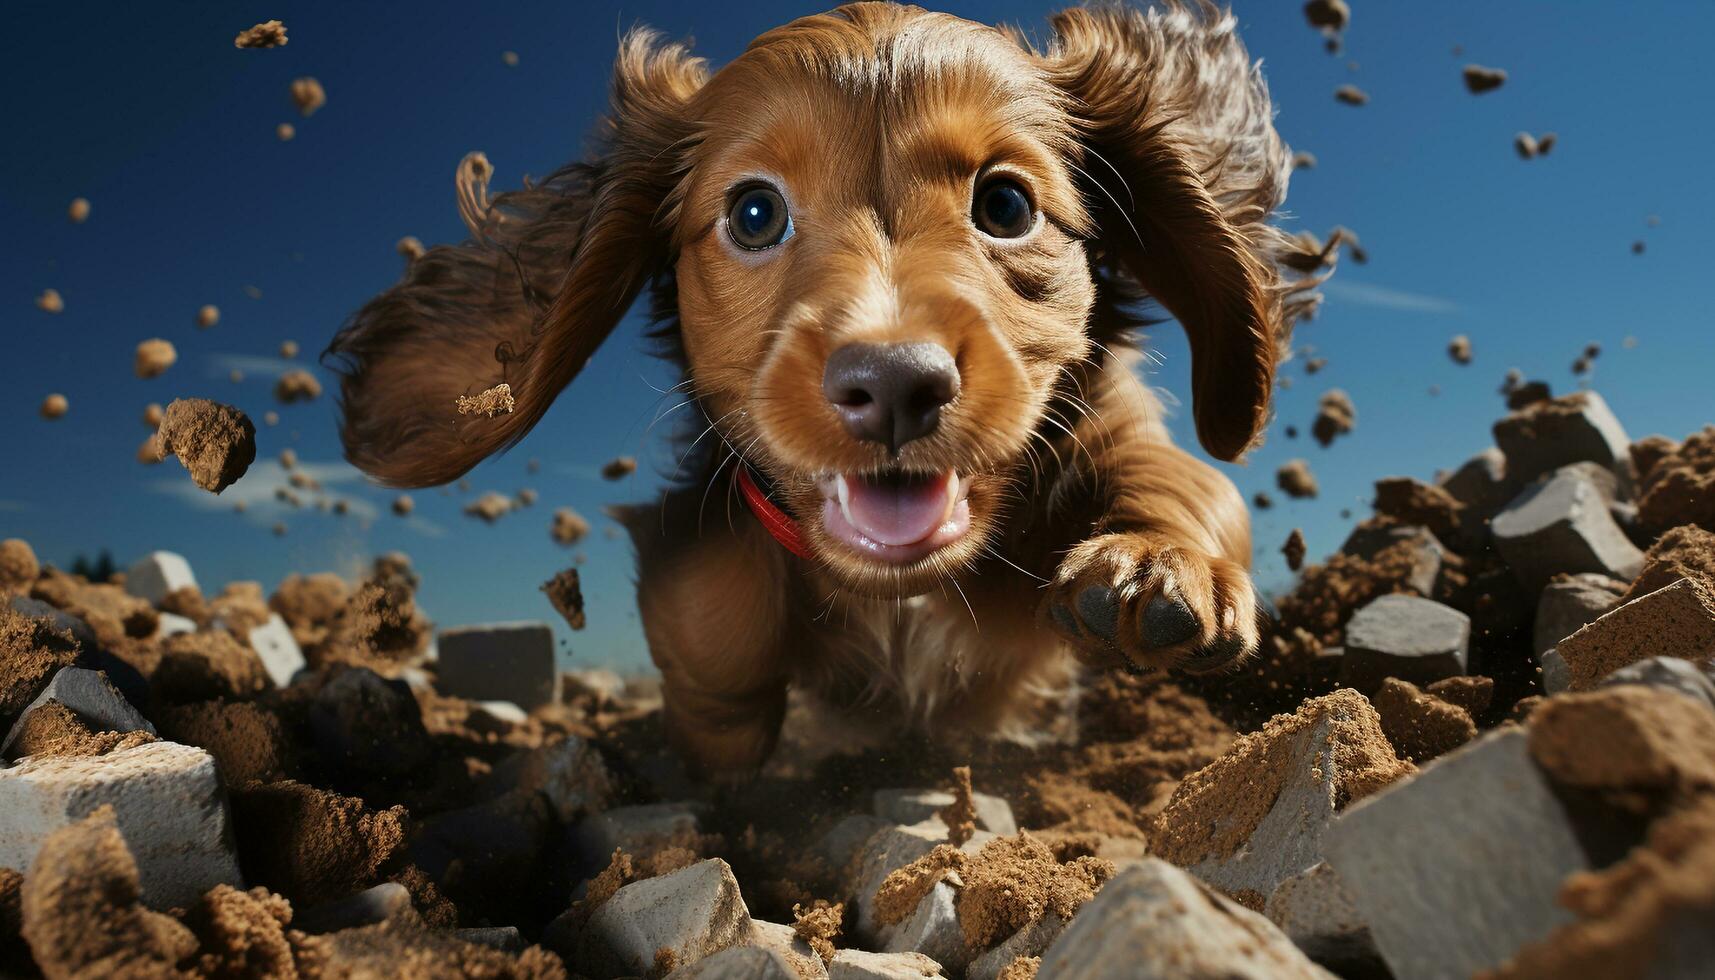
x=312, y=845
x=247, y=740
x=216, y=443
x=1013, y=881
x=567, y=596
x=1295, y=479
x=618, y=468
x=960, y=816
x=1680, y=487
x=1335, y=416
x=819, y=925
x=497, y=400
x=1683, y=552
x=154, y=357
x=1294, y=549
x=268, y=34
x=31, y=652
x=297, y=385
x=1421, y=726
x=18, y=567
x=54, y=729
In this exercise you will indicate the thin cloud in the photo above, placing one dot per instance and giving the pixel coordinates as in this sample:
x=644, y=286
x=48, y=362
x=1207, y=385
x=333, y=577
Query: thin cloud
x=221, y=365
x=1385, y=298
x=260, y=484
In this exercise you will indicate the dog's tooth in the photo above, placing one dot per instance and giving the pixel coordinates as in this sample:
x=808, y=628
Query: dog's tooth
x=952, y=496
x=842, y=491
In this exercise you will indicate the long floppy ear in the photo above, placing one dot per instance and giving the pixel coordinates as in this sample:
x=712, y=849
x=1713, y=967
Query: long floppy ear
x=547, y=273
x=1187, y=169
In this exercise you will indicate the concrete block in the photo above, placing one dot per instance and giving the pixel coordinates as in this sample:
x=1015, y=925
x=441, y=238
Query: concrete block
x=172, y=624
x=1403, y=636
x=1458, y=867
x=274, y=643
x=1556, y=677
x=780, y=938
x=502, y=712
x=1481, y=483
x=1570, y=604
x=1570, y=429
x=908, y=806
x=1428, y=554
x=694, y=913
x=1155, y=922
x=157, y=573
x=507, y=939
x=1562, y=525
x=738, y=963
x=1676, y=620
x=1316, y=912
x=933, y=930
x=1032, y=940
x=499, y=662
x=168, y=802
x=93, y=698
x=1672, y=673
x=856, y=964
x=639, y=829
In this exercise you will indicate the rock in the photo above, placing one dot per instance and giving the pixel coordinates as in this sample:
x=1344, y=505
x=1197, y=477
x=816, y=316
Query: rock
x=1449, y=897
x=1155, y=922
x=367, y=722
x=216, y=443
x=1032, y=940
x=156, y=574
x=502, y=712
x=883, y=853
x=781, y=939
x=1556, y=676
x=569, y=773
x=1569, y=604
x=367, y=907
x=274, y=644
x=933, y=930
x=1670, y=673
x=694, y=913
x=168, y=802
x=1316, y=912
x=1257, y=815
x=172, y=624
x=1677, y=620
x=855, y=964
x=1421, y=726
x=1404, y=636
x=908, y=806
x=57, y=618
x=1562, y=525
x=504, y=938
x=737, y=963
x=640, y=829
x=1683, y=552
x=1482, y=484
x=1550, y=434
x=1368, y=540
x=91, y=697
x=499, y=662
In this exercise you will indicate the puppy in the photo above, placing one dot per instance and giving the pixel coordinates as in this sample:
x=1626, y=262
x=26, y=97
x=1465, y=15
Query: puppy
x=901, y=258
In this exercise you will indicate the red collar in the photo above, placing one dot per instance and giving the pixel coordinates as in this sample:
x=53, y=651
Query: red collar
x=776, y=521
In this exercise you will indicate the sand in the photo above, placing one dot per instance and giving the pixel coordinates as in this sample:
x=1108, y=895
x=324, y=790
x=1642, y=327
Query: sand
x=215, y=442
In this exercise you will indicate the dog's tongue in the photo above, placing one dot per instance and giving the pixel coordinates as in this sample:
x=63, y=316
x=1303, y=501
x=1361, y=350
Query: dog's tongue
x=896, y=512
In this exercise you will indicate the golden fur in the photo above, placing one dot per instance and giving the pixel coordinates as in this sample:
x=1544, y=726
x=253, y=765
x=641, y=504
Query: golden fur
x=1146, y=141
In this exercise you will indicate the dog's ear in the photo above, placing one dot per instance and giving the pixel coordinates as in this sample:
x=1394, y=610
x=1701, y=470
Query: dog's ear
x=1183, y=170
x=546, y=274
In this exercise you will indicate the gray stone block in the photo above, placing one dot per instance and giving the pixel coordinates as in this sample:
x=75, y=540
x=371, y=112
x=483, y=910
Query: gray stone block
x=857, y=964
x=1458, y=867
x=1408, y=637
x=1562, y=525
x=1316, y=912
x=738, y=963
x=1570, y=604
x=839, y=845
x=1570, y=429
x=1671, y=673
x=889, y=850
x=908, y=806
x=507, y=939
x=92, y=697
x=1428, y=555
x=694, y=912
x=166, y=797
x=156, y=574
x=367, y=907
x=933, y=930
x=1032, y=940
x=499, y=662
x=1556, y=677
x=278, y=649
x=1155, y=922
x=780, y=938
x=1481, y=483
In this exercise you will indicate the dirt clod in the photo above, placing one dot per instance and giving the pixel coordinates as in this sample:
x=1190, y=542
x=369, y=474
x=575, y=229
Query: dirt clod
x=268, y=34
x=567, y=596
x=494, y=401
x=215, y=442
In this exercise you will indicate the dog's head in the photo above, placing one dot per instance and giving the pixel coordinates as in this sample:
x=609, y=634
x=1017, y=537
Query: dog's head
x=877, y=238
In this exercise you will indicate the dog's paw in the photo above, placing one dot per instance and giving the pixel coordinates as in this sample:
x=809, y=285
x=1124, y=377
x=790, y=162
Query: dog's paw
x=1136, y=601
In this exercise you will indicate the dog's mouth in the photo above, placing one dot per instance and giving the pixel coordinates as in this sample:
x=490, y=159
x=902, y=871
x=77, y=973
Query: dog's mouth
x=897, y=518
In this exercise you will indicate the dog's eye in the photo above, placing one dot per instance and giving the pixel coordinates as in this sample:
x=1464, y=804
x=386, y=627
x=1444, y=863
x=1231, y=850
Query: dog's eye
x=1002, y=210
x=758, y=219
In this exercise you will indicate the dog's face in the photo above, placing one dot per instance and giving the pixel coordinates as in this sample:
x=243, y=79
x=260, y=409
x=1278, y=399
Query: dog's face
x=881, y=277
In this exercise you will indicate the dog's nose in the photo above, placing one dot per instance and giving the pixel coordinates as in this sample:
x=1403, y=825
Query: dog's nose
x=890, y=393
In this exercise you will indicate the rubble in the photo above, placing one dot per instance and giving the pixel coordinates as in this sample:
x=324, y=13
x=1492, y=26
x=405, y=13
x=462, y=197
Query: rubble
x=1562, y=525
x=1546, y=435
x=1677, y=620
x=1153, y=922
x=167, y=801
x=499, y=662
x=1407, y=637
x=216, y=443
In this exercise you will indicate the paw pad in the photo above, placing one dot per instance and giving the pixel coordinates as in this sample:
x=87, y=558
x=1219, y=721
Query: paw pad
x=1167, y=621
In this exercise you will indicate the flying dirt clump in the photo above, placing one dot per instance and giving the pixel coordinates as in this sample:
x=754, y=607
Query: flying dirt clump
x=403, y=505
x=285, y=131
x=494, y=401
x=297, y=386
x=54, y=406
x=217, y=443
x=50, y=301
x=154, y=357
x=1459, y=349
x=565, y=592
x=1529, y=147
x=569, y=526
x=1294, y=549
x=208, y=316
x=1295, y=479
x=410, y=247
x=1328, y=15
x=78, y=210
x=268, y=34
x=1335, y=416
x=1351, y=95
x=18, y=566
x=288, y=349
x=490, y=507
x=618, y=468
x=307, y=95
x=1479, y=79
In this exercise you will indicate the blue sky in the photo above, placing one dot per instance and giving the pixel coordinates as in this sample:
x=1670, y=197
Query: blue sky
x=169, y=132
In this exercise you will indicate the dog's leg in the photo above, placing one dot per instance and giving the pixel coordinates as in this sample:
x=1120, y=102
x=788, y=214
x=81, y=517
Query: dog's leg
x=714, y=607
x=1163, y=579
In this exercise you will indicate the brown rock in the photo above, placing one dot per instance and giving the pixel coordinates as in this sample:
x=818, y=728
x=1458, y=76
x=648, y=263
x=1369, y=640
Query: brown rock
x=308, y=95
x=154, y=357
x=618, y=468
x=1295, y=479
x=1335, y=416
x=569, y=526
x=297, y=385
x=216, y=443
x=1677, y=620
x=1479, y=79
x=1351, y=95
x=566, y=595
x=268, y=34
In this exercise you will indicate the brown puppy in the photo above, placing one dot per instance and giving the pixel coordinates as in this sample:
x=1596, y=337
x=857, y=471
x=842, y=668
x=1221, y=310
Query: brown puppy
x=898, y=255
